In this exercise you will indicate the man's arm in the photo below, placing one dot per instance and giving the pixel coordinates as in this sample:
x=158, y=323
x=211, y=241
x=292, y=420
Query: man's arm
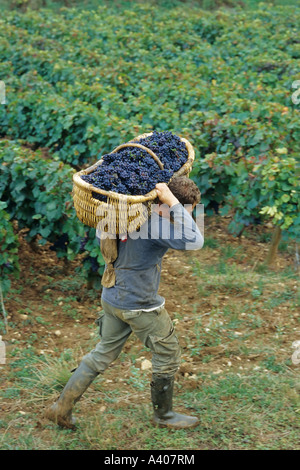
x=183, y=233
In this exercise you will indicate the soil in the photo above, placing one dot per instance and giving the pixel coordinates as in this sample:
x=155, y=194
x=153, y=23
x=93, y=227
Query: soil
x=38, y=313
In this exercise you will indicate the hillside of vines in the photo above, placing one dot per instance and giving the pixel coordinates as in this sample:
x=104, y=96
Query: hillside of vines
x=79, y=83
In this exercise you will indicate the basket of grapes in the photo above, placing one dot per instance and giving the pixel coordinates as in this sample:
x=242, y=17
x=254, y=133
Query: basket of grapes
x=115, y=194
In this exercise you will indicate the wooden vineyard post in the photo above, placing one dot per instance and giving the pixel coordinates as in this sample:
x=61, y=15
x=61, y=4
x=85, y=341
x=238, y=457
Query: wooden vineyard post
x=276, y=237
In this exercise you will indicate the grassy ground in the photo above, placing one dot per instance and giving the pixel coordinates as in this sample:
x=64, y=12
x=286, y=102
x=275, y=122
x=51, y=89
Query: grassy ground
x=236, y=321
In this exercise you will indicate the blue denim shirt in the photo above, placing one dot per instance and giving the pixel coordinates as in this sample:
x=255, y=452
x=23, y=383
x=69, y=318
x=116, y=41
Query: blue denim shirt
x=138, y=266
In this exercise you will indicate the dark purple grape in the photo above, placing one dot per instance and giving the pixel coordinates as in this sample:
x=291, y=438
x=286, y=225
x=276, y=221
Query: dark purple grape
x=133, y=171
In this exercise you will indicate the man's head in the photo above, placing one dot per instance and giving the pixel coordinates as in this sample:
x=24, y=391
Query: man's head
x=186, y=191
x=180, y=190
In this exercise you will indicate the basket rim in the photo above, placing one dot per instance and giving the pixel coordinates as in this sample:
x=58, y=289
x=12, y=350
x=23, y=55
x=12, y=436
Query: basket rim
x=128, y=197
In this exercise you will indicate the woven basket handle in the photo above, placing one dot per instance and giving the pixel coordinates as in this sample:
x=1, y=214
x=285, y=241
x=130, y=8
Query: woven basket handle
x=161, y=166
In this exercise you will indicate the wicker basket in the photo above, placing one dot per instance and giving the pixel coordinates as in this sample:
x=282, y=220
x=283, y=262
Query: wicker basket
x=129, y=211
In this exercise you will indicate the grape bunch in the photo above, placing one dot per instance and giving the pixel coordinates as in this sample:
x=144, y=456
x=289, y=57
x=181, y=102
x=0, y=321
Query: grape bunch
x=133, y=171
x=169, y=148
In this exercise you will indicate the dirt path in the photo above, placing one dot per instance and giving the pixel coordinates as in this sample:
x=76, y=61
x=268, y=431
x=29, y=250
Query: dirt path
x=222, y=325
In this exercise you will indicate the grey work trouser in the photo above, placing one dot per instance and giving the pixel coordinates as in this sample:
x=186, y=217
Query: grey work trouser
x=155, y=330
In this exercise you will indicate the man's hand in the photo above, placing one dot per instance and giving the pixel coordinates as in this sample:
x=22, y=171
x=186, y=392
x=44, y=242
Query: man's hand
x=165, y=195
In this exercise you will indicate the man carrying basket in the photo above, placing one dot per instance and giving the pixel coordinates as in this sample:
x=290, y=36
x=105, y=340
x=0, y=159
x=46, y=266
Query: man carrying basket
x=131, y=304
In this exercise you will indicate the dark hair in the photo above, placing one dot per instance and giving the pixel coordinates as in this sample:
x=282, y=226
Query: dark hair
x=186, y=191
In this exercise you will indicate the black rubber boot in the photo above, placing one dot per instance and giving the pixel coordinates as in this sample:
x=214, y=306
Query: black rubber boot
x=61, y=411
x=162, y=397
